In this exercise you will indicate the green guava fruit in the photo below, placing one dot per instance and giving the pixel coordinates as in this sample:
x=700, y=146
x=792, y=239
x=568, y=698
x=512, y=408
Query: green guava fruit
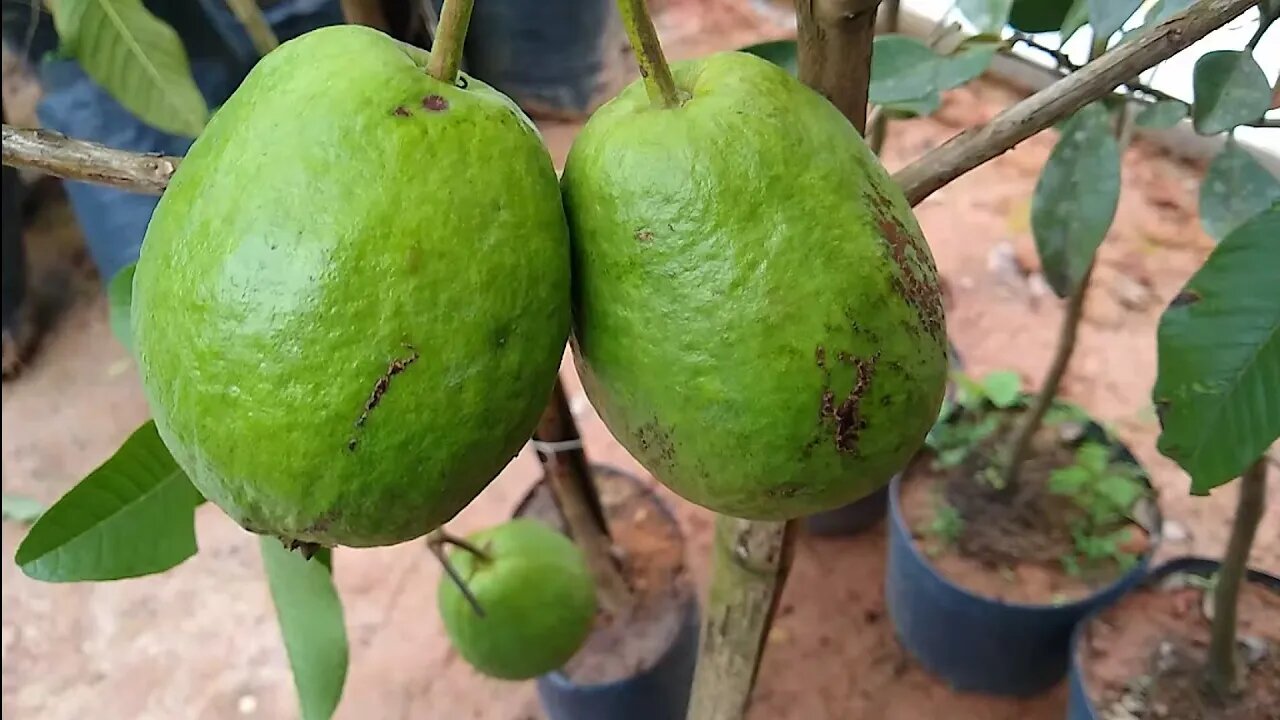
x=352, y=299
x=1037, y=16
x=757, y=317
x=537, y=595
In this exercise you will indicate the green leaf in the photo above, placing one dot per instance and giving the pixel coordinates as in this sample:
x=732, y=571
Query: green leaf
x=1040, y=16
x=22, y=509
x=119, y=299
x=1108, y=16
x=1068, y=480
x=919, y=107
x=1075, y=199
x=966, y=63
x=136, y=57
x=902, y=69
x=1094, y=457
x=1162, y=115
x=1218, y=347
x=1236, y=187
x=779, y=52
x=1077, y=17
x=134, y=515
x=1163, y=10
x=1002, y=387
x=1230, y=89
x=310, y=614
x=986, y=15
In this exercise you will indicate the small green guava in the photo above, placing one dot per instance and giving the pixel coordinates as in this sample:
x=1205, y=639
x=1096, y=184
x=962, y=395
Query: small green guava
x=537, y=595
x=352, y=299
x=757, y=316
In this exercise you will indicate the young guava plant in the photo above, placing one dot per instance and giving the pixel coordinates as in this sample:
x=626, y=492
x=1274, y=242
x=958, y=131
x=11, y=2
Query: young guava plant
x=518, y=600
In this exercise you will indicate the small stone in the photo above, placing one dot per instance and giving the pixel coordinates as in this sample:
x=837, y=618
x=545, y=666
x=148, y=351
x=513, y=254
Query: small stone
x=1133, y=703
x=1174, y=531
x=1002, y=262
x=1159, y=710
x=1037, y=286
x=1166, y=657
x=247, y=704
x=1129, y=292
x=1070, y=432
x=1255, y=649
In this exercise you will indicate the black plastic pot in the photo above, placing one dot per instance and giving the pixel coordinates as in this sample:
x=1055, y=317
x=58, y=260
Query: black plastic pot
x=863, y=514
x=1079, y=704
x=553, y=57
x=981, y=644
x=660, y=692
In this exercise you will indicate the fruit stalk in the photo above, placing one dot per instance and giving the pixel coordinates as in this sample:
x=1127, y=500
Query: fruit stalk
x=451, y=34
x=436, y=542
x=570, y=479
x=658, y=81
x=753, y=558
x=1220, y=672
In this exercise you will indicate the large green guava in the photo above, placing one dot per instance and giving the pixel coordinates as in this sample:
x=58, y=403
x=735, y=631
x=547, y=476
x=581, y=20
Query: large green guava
x=537, y=595
x=352, y=299
x=756, y=315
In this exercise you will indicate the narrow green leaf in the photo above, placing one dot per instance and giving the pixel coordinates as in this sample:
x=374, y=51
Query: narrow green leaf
x=779, y=52
x=1230, y=89
x=310, y=614
x=965, y=64
x=136, y=57
x=919, y=107
x=1236, y=187
x=132, y=516
x=1217, y=387
x=22, y=509
x=986, y=15
x=1162, y=115
x=1040, y=16
x=1108, y=16
x=1075, y=199
x=119, y=299
x=902, y=69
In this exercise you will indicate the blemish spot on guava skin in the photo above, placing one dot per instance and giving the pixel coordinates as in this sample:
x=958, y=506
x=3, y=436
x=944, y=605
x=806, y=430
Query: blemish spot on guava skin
x=435, y=103
x=401, y=111
x=380, y=387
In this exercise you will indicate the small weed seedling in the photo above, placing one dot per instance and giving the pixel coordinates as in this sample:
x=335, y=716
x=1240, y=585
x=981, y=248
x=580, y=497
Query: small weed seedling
x=1105, y=490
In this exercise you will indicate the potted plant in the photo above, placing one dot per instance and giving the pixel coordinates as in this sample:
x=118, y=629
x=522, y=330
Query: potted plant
x=1198, y=638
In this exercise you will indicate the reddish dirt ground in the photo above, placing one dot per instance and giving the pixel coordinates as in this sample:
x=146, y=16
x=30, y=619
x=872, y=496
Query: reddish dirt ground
x=201, y=642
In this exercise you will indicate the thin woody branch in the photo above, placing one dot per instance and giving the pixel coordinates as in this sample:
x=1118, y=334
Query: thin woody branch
x=59, y=155
x=976, y=146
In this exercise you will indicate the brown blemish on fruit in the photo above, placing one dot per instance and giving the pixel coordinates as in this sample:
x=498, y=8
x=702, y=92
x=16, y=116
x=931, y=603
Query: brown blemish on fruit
x=913, y=282
x=655, y=440
x=394, y=368
x=845, y=420
x=785, y=490
x=644, y=236
x=435, y=103
x=400, y=111
x=820, y=356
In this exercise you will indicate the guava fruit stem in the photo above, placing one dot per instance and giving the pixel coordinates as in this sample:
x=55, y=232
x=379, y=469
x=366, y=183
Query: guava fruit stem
x=451, y=33
x=658, y=81
x=435, y=543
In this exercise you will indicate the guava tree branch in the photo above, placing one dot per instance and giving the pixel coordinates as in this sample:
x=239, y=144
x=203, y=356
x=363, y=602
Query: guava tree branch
x=976, y=146
x=1221, y=673
x=59, y=155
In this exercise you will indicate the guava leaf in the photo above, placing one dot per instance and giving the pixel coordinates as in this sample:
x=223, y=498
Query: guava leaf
x=1217, y=388
x=1076, y=18
x=22, y=509
x=134, y=515
x=779, y=52
x=309, y=611
x=1236, y=187
x=919, y=107
x=986, y=15
x=119, y=300
x=902, y=69
x=1075, y=198
x=137, y=57
x=1002, y=387
x=965, y=64
x=1162, y=114
x=1230, y=89
x=1108, y=16
x=1163, y=10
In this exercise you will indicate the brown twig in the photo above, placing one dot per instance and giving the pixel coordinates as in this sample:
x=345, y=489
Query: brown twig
x=976, y=146
x=59, y=155
x=436, y=542
x=834, y=52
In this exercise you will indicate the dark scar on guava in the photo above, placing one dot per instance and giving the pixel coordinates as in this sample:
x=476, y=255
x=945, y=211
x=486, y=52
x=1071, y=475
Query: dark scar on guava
x=400, y=111
x=847, y=416
x=435, y=103
x=394, y=368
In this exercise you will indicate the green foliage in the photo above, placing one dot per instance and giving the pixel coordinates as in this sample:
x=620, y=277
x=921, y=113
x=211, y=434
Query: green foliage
x=1108, y=16
x=136, y=57
x=1230, y=89
x=987, y=15
x=1003, y=388
x=1163, y=10
x=1162, y=115
x=779, y=52
x=1077, y=17
x=310, y=614
x=119, y=298
x=1038, y=16
x=1076, y=197
x=946, y=525
x=132, y=516
x=1105, y=491
x=22, y=509
x=1218, y=348
x=957, y=434
x=1235, y=188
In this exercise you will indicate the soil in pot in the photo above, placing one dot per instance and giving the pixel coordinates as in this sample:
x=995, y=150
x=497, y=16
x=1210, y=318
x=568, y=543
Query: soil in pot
x=1143, y=657
x=1064, y=530
x=651, y=555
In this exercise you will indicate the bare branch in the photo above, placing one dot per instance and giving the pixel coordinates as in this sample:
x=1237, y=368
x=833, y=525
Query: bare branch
x=976, y=146
x=59, y=155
